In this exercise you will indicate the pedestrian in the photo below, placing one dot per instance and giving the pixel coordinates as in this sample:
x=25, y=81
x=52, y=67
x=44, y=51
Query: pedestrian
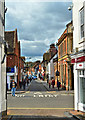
x=27, y=81
x=58, y=84
x=53, y=82
x=47, y=78
x=49, y=83
x=20, y=84
x=24, y=82
x=13, y=86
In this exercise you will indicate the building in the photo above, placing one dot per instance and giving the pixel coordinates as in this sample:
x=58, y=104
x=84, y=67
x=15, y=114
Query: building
x=48, y=63
x=14, y=59
x=56, y=72
x=65, y=46
x=2, y=61
x=78, y=55
x=22, y=66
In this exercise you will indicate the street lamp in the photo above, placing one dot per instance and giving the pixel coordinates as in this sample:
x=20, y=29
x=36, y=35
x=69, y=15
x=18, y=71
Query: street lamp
x=70, y=9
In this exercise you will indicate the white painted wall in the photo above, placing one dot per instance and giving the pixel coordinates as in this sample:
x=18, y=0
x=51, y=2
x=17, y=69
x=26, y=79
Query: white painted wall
x=77, y=5
x=2, y=66
x=51, y=68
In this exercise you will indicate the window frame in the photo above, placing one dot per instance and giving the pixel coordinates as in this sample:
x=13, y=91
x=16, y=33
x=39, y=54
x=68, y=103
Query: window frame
x=82, y=23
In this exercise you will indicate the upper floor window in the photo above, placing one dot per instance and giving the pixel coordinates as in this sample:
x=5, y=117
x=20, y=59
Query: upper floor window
x=82, y=23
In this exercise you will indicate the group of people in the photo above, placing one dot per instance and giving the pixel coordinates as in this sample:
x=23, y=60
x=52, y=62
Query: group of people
x=41, y=76
x=52, y=82
x=13, y=84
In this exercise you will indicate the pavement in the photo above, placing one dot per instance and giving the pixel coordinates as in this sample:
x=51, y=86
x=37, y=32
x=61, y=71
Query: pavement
x=78, y=115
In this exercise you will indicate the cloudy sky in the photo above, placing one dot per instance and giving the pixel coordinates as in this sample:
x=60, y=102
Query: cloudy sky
x=38, y=23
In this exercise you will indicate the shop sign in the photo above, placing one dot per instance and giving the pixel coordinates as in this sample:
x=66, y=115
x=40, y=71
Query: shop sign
x=80, y=59
x=80, y=65
x=72, y=61
x=77, y=60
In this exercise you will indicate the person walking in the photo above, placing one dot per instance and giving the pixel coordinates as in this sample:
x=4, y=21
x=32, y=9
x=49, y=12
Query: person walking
x=24, y=82
x=58, y=84
x=27, y=81
x=13, y=86
x=49, y=83
x=20, y=84
x=53, y=82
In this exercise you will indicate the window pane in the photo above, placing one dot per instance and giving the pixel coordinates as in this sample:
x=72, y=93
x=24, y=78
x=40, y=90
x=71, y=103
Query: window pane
x=82, y=16
x=82, y=31
x=82, y=90
x=82, y=22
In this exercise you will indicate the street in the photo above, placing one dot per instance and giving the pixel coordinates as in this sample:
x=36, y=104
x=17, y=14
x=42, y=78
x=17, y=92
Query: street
x=40, y=102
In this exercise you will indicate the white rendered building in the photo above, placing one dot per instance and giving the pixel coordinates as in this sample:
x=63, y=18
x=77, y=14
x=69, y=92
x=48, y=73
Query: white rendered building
x=2, y=65
x=78, y=56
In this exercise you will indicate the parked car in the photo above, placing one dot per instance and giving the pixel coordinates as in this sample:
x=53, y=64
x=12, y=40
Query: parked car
x=34, y=77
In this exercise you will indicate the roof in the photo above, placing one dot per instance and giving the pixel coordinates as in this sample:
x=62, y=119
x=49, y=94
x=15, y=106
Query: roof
x=10, y=39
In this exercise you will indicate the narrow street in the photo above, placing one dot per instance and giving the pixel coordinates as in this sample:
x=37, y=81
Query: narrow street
x=40, y=102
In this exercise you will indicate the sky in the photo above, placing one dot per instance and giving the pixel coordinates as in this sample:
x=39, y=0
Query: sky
x=38, y=23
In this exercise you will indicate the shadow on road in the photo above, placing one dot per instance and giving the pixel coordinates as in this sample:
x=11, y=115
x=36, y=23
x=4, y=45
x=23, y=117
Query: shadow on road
x=14, y=117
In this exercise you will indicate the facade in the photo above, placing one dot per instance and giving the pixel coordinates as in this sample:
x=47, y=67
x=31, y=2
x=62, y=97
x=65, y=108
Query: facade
x=65, y=46
x=55, y=62
x=78, y=55
x=13, y=57
x=22, y=66
x=48, y=63
x=2, y=64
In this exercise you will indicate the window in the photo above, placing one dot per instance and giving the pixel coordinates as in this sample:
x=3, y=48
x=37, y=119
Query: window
x=82, y=86
x=61, y=50
x=64, y=47
x=82, y=23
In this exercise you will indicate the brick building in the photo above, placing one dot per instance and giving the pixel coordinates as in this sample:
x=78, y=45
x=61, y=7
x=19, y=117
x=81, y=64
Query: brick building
x=65, y=46
x=14, y=61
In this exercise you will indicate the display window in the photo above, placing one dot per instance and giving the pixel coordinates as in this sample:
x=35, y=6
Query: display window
x=82, y=86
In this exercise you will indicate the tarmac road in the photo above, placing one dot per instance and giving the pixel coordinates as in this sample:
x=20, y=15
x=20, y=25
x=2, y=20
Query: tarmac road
x=40, y=104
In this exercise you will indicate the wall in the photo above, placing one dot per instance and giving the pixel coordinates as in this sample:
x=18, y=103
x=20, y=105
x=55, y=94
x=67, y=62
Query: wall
x=2, y=66
x=77, y=5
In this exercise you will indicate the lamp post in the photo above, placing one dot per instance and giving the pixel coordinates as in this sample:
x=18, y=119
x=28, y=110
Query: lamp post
x=70, y=9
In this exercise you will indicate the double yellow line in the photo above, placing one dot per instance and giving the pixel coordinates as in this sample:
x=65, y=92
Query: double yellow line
x=14, y=108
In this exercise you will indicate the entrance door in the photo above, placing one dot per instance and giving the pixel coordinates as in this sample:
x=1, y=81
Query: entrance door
x=82, y=90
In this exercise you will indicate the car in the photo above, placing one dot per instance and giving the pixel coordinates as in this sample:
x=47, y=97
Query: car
x=34, y=77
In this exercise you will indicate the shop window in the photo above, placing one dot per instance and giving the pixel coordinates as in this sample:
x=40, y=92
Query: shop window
x=82, y=90
x=83, y=72
x=82, y=87
x=80, y=72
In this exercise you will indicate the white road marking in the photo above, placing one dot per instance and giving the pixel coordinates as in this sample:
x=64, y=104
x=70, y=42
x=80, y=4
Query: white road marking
x=55, y=95
x=51, y=96
x=34, y=95
x=37, y=93
x=46, y=95
x=41, y=96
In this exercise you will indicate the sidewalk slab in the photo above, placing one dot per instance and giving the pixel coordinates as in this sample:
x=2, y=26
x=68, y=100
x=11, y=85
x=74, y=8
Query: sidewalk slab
x=7, y=117
x=46, y=85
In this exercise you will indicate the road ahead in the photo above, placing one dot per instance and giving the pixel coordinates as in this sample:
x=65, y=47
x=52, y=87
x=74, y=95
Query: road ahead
x=38, y=101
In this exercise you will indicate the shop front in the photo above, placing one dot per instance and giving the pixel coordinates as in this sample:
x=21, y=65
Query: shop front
x=11, y=75
x=79, y=82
